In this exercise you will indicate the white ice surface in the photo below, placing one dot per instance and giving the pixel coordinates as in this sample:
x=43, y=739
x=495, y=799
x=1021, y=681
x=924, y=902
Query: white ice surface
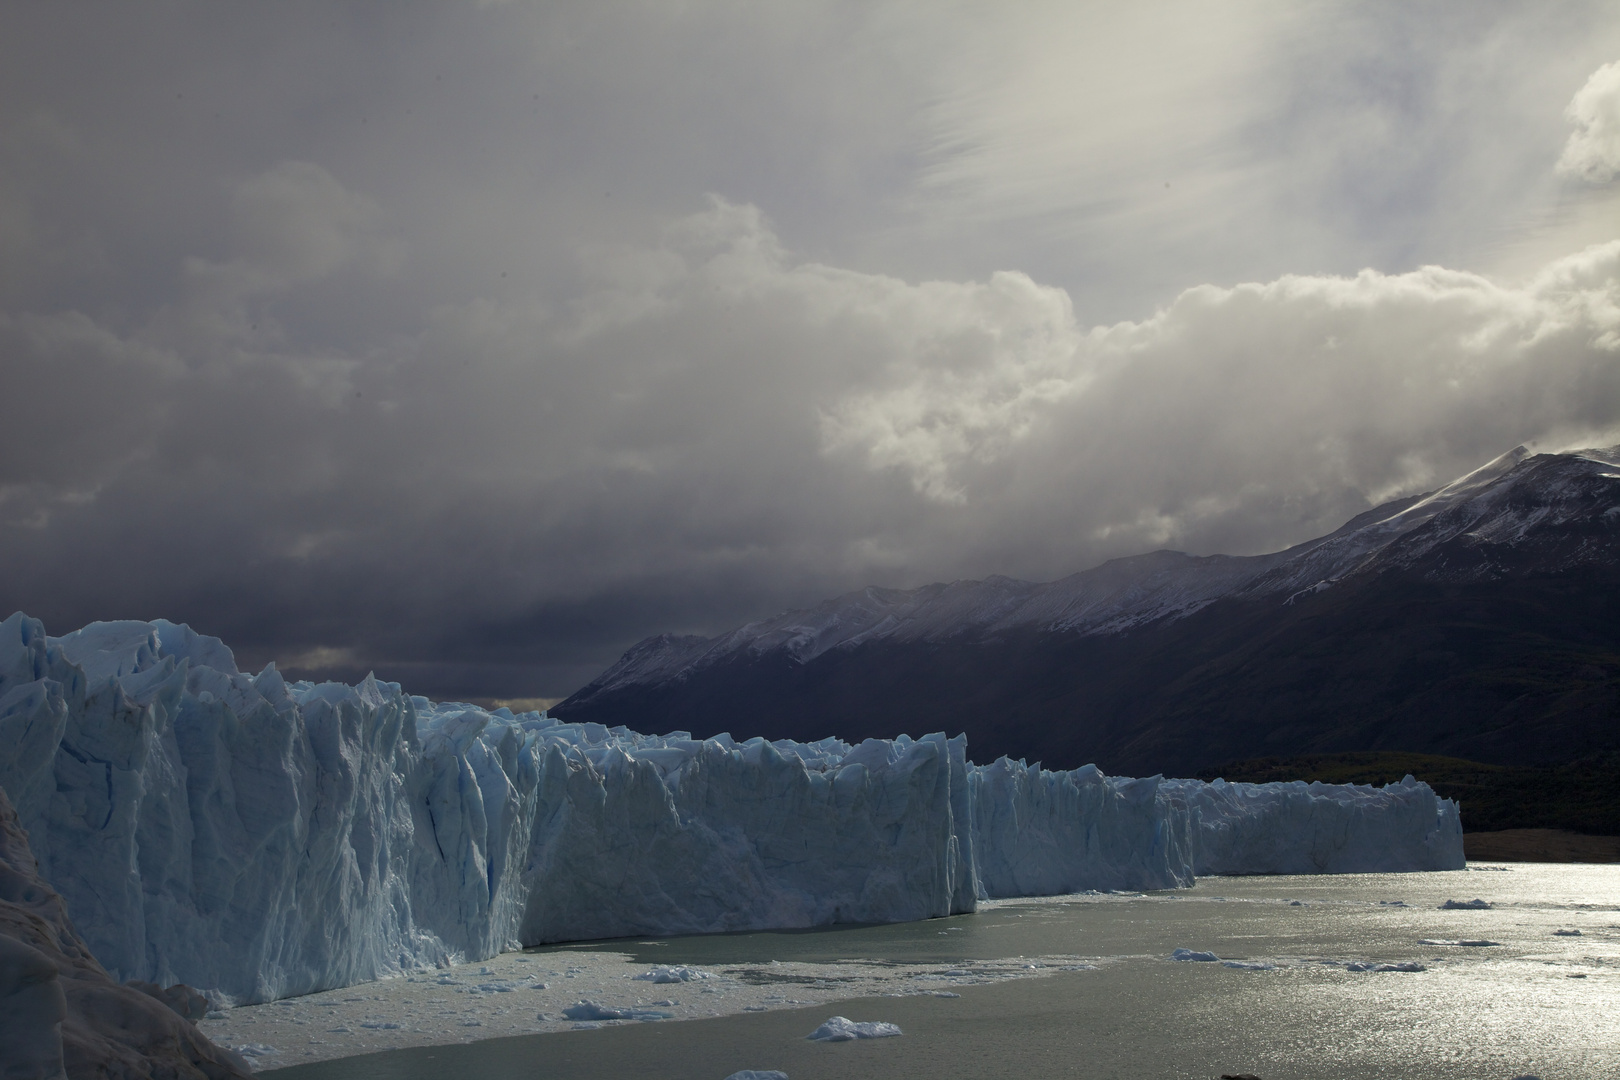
x=1194, y=955
x=260, y=839
x=1300, y=828
x=840, y=1029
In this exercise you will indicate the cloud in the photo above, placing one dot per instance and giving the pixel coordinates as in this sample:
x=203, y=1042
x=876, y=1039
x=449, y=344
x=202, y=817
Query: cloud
x=406, y=340
x=1593, y=150
x=1295, y=386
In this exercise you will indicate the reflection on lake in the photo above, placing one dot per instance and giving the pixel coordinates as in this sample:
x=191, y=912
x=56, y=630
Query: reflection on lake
x=1296, y=992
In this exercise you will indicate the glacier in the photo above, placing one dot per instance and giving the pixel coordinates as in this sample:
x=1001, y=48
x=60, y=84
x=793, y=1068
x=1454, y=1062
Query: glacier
x=260, y=839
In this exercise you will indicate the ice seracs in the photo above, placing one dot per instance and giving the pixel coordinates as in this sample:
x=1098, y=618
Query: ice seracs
x=1316, y=828
x=259, y=839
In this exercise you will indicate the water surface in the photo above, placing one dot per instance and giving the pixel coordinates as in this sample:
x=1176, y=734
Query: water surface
x=1536, y=1001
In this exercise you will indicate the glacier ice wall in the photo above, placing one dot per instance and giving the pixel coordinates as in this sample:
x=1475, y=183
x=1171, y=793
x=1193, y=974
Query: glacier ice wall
x=261, y=839
x=1316, y=828
x=1041, y=833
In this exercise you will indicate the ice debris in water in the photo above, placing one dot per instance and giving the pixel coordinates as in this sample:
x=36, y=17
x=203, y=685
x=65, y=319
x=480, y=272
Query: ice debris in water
x=1190, y=954
x=839, y=1029
x=590, y=1010
x=1368, y=965
x=1566, y=933
x=255, y=1050
x=1466, y=905
x=363, y=832
x=1474, y=943
x=673, y=974
x=1249, y=965
x=758, y=1074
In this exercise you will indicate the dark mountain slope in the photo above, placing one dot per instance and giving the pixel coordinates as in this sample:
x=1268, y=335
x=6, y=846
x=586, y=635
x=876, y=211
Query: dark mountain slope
x=1482, y=621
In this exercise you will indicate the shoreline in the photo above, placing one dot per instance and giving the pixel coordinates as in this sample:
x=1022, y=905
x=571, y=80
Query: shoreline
x=1540, y=845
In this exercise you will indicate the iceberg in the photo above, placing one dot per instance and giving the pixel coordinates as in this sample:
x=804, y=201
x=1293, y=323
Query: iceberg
x=1194, y=956
x=258, y=838
x=590, y=1010
x=840, y=1029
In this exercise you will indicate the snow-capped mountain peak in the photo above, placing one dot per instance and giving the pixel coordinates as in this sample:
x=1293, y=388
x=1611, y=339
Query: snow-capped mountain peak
x=1549, y=511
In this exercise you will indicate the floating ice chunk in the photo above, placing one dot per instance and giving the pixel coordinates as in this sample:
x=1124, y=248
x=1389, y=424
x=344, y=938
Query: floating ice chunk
x=840, y=1029
x=673, y=973
x=1368, y=965
x=758, y=1074
x=590, y=1010
x=1190, y=954
x=255, y=1050
x=382, y=1025
x=1466, y=905
x=1472, y=943
x=1249, y=965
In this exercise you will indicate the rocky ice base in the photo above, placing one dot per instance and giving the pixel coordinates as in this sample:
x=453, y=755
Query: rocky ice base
x=62, y=1015
x=261, y=839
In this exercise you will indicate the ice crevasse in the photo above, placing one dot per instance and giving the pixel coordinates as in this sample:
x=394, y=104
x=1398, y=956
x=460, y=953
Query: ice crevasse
x=260, y=839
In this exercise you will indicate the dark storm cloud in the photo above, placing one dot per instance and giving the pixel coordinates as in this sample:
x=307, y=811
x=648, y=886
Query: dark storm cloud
x=408, y=338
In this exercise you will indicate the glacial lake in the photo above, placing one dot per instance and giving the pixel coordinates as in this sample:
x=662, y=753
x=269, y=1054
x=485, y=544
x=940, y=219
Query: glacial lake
x=1079, y=986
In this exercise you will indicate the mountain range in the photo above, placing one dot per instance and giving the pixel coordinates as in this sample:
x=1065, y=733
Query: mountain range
x=1480, y=620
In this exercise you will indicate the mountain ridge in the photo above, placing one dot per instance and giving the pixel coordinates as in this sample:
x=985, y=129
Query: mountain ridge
x=1437, y=556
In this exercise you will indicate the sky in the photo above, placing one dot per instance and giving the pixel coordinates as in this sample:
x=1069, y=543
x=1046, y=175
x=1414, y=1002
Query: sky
x=470, y=343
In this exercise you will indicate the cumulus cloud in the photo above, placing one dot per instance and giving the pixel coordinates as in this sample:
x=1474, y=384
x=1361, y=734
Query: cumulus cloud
x=1323, y=383
x=1234, y=418
x=1593, y=150
x=717, y=426
x=407, y=349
